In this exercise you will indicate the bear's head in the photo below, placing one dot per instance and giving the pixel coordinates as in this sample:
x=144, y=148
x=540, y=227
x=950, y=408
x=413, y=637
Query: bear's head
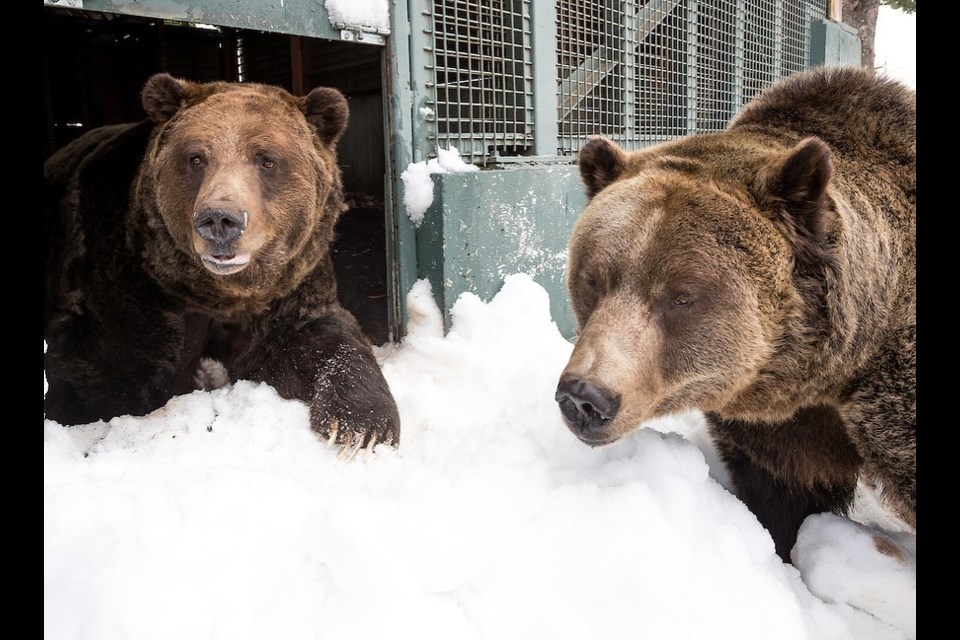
x=243, y=177
x=682, y=276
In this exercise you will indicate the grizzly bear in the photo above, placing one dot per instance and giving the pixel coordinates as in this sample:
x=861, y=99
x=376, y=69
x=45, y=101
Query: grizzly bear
x=204, y=232
x=765, y=275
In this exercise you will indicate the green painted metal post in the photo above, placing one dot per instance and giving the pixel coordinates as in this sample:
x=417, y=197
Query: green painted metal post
x=429, y=237
x=401, y=235
x=422, y=89
x=544, y=42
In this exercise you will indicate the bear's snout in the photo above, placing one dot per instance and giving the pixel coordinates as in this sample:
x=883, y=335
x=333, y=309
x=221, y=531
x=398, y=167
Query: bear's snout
x=220, y=224
x=587, y=408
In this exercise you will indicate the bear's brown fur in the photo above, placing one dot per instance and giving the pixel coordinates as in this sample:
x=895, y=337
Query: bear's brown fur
x=204, y=232
x=765, y=274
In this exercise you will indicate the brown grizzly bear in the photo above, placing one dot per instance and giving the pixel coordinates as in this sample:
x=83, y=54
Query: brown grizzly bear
x=766, y=275
x=204, y=232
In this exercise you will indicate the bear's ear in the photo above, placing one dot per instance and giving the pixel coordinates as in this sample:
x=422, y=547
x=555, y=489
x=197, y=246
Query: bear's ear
x=327, y=110
x=793, y=188
x=163, y=95
x=601, y=162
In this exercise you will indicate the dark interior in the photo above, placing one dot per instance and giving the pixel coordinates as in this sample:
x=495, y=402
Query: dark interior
x=94, y=65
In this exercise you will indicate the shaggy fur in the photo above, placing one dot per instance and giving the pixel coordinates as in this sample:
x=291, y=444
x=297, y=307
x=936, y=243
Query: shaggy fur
x=204, y=232
x=766, y=275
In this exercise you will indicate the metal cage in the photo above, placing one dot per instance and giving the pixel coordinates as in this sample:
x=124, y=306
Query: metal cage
x=482, y=77
x=637, y=71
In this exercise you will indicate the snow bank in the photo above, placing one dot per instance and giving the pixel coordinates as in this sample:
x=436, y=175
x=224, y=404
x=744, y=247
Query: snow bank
x=222, y=515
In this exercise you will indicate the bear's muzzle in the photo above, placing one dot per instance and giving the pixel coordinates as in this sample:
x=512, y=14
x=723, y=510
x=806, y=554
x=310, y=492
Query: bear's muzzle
x=220, y=225
x=588, y=408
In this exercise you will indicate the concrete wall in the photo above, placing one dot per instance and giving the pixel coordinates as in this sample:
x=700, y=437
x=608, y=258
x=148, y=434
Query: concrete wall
x=486, y=225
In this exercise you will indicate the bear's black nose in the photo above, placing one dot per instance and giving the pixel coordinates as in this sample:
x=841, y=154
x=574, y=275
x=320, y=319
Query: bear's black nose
x=220, y=225
x=586, y=406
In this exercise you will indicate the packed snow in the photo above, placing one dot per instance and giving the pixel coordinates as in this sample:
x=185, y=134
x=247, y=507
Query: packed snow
x=222, y=515
x=418, y=185
x=362, y=13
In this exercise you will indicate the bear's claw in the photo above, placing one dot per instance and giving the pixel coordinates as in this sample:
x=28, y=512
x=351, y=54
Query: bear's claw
x=350, y=442
x=348, y=450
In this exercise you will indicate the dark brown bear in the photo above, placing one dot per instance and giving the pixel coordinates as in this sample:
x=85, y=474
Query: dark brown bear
x=765, y=275
x=204, y=232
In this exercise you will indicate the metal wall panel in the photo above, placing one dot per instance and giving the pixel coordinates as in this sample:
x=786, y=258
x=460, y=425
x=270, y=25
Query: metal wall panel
x=293, y=17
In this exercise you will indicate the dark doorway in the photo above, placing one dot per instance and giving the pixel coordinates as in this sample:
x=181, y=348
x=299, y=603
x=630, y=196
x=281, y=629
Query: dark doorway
x=95, y=64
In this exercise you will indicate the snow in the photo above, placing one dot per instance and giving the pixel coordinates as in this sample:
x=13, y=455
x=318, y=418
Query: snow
x=418, y=185
x=221, y=515
x=879, y=568
x=364, y=13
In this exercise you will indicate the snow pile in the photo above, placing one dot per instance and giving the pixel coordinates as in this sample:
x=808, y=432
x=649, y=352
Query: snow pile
x=363, y=13
x=418, y=186
x=222, y=515
x=876, y=571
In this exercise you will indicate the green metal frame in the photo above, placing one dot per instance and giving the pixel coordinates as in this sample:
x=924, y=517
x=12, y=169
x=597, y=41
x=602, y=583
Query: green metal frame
x=294, y=17
x=403, y=96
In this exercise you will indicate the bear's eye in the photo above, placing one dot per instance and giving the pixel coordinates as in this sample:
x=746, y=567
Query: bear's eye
x=594, y=284
x=682, y=300
x=267, y=163
x=196, y=160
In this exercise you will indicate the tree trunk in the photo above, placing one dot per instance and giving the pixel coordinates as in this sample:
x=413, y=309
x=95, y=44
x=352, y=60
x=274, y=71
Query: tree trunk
x=862, y=16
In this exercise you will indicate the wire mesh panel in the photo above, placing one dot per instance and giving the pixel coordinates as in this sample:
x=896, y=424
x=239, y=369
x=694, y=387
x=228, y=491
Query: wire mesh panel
x=645, y=71
x=593, y=65
x=761, y=46
x=776, y=37
x=482, y=77
x=662, y=74
x=795, y=32
x=716, y=70
x=637, y=71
